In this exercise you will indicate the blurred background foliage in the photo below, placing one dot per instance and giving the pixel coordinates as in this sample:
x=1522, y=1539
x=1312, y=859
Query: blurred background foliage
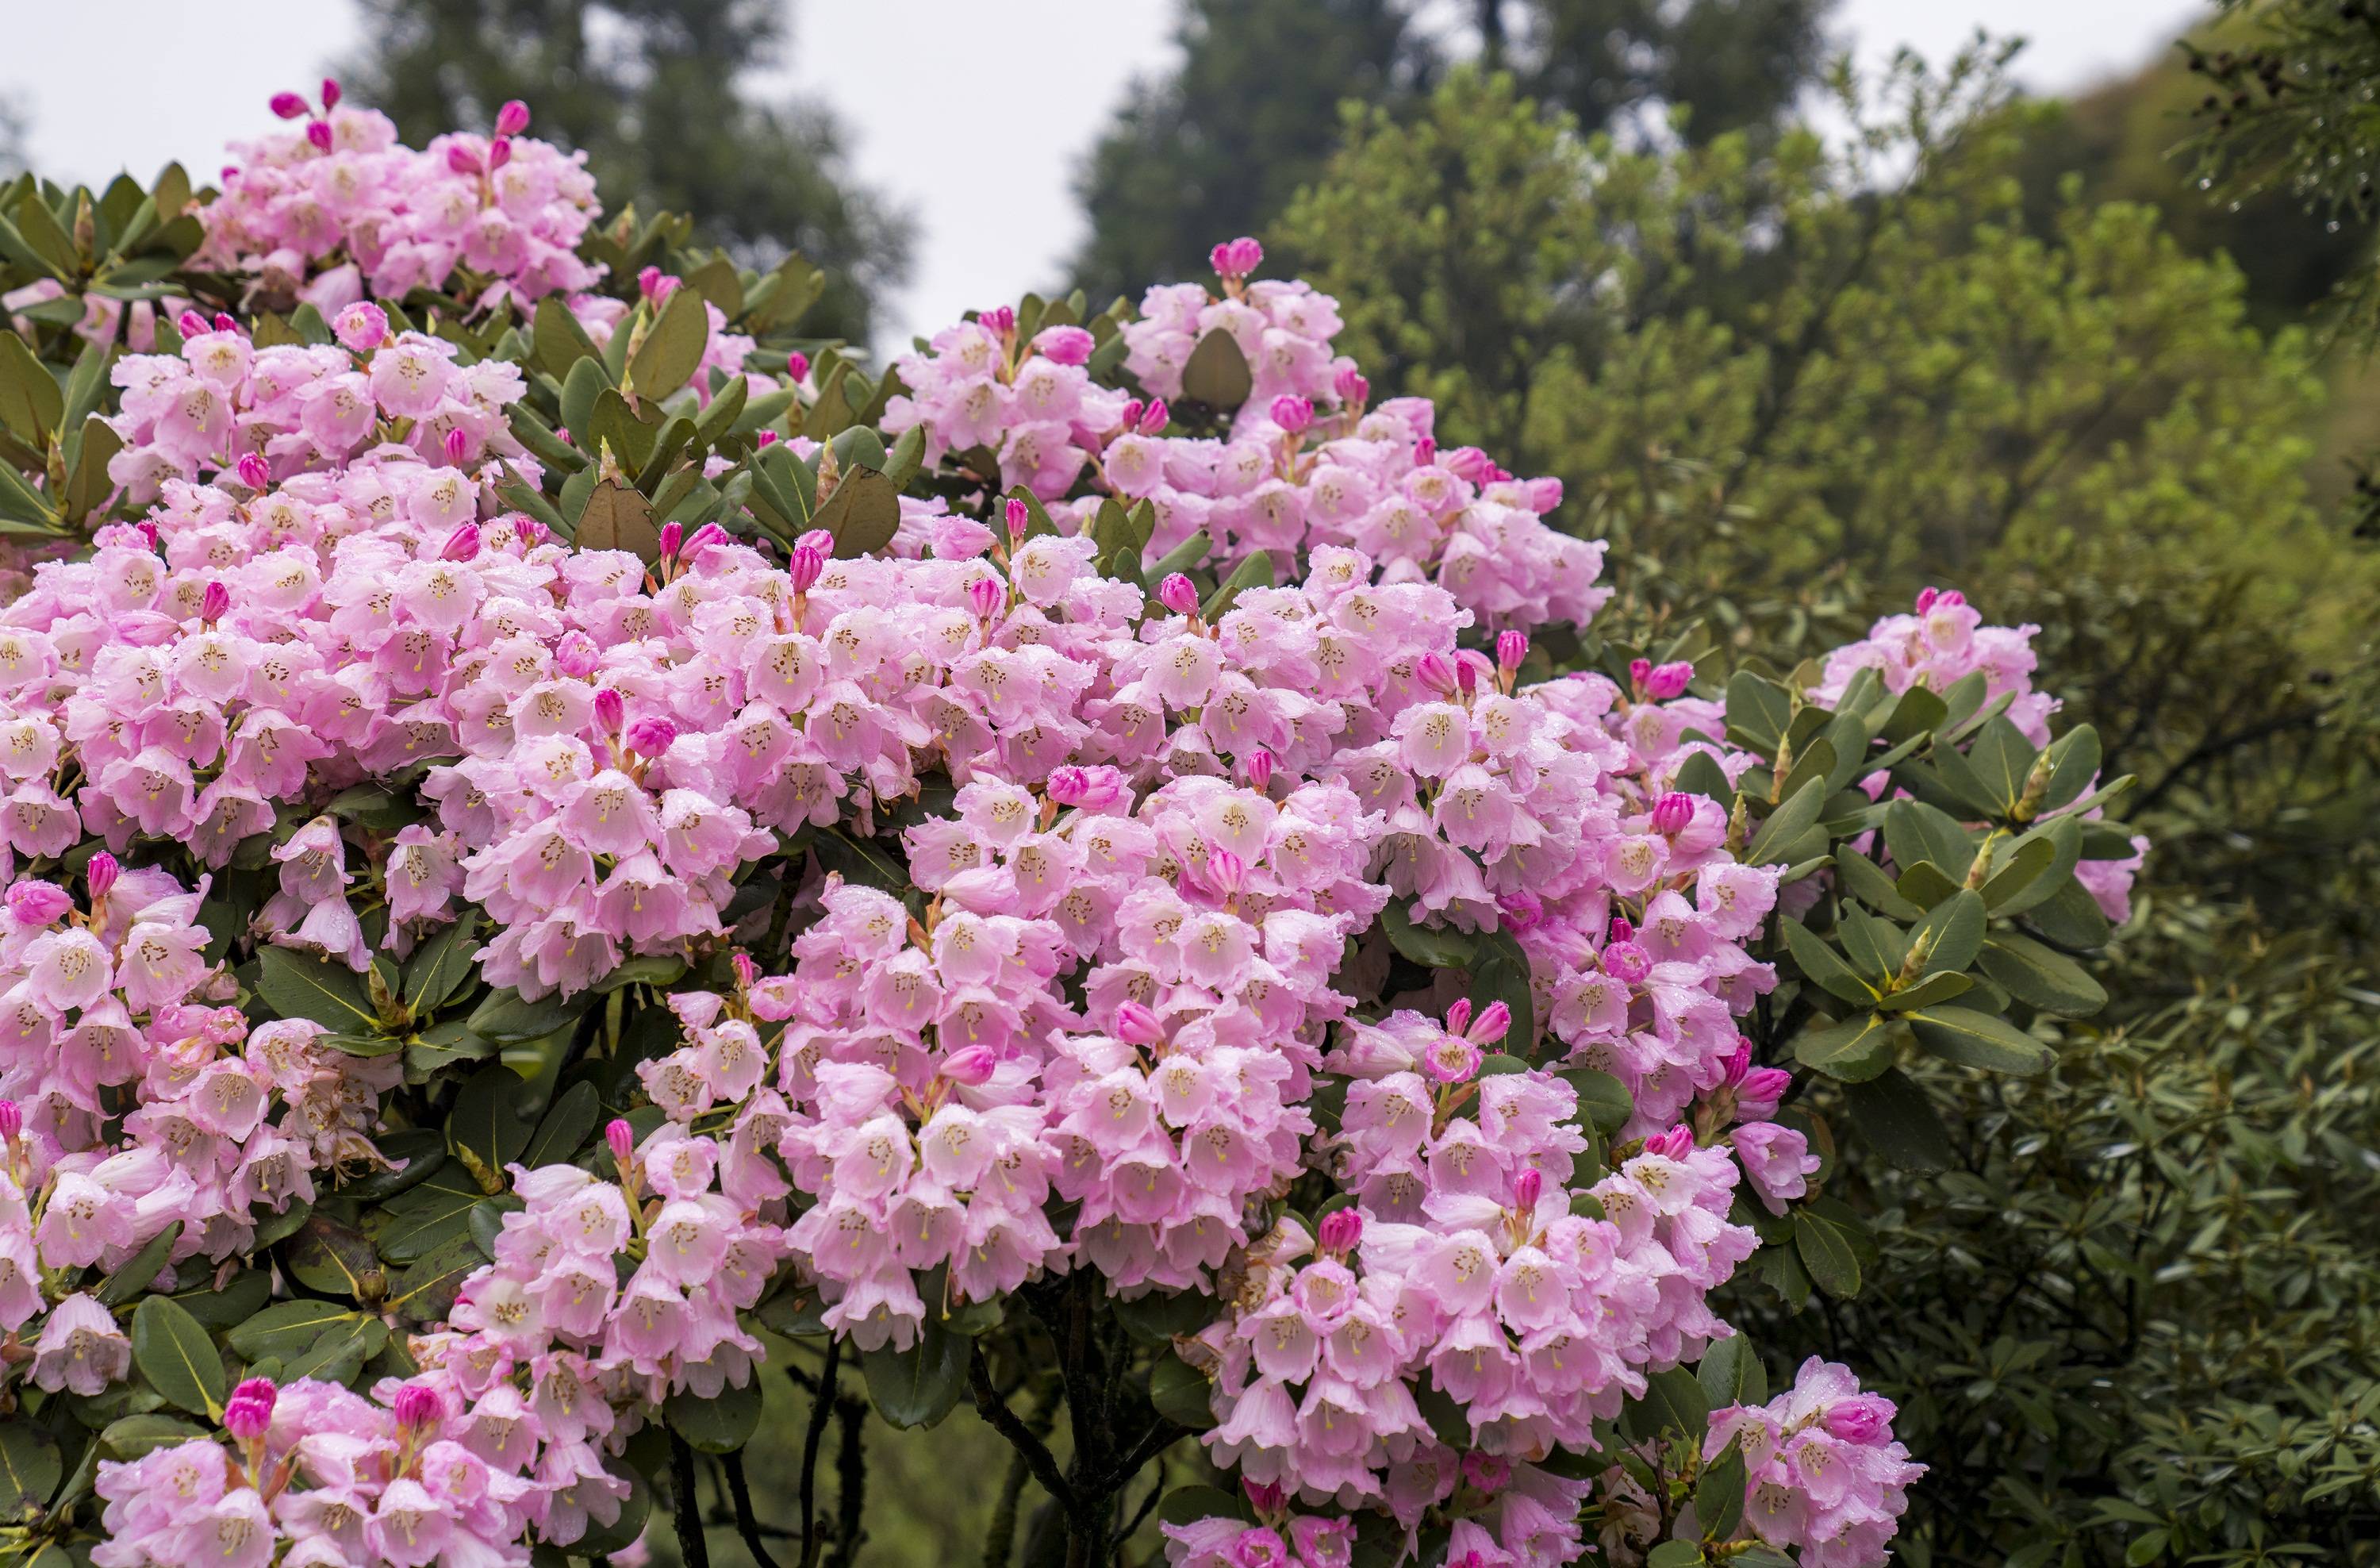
x=1799, y=346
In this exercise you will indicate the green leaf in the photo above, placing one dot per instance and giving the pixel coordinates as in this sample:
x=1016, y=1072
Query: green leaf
x=1182, y=556
x=1673, y=1401
x=1719, y=1498
x=1951, y=934
x=1603, y=1100
x=141, y=1271
x=1682, y=1554
x=1915, y=831
x=1779, y=836
x=1732, y=1373
x=1217, y=373
x=1758, y=712
x=673, y=347
x=1823, y=965
x=332, y=1257
x=2074, y=760
x=175, y=1353
x=2041, y=977
x=1253, y=572
x=617, y=516
x=136, y=1435
x=30, y=1464
x=721, y=1424
x=573, y=1116
x=587, y=381
x=918, y=1386
x=2025, y=862
x=559, y=341
x=1187, y=1505
x=235, y=1303
x=2071, y=918
x=907, y=456
x=442, y=965
x=2064, y=835
x=1858, y=1048
x=863, y=514
x=1182, y=1393
x=300, y=986
x=490, y=1119
x=1826, y=1253
x=445, y=1045
x=1435, y=947
x=288, y=1329
x=31, y=405
x=340, y=1353
x=506, y=1019
x=428, y=1216
x=1866, y=881
x=1500, y=972
x=2000, y=758
x=1940, y=986
x=1978, y=1040
x=1893, y=1113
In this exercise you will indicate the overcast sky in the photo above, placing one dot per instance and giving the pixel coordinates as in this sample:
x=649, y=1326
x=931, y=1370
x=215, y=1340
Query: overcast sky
x=972, y=113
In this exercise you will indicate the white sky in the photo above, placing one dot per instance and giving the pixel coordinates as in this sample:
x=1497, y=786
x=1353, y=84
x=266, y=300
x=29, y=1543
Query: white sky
x=973, y=114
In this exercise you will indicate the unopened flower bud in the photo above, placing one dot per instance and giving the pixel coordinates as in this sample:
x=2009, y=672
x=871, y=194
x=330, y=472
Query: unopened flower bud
x=500, y=153
x=214, y=602
x=461, y=158
x=329, y=94
x=457, y=446
x=12, y=1121
x=651, y=735
x=1291, y=413
x=1340, y=1230
x=1130, y=417
x=1136, y=1025
x=1669, y=681
x=1019, y=516
x=252, y=470
x=1626, y=962
x=248, y=1412
x=463, y=544
x=227, y=322
x=1511, y=649
x=647, y=280
x=1489, y=1029
x=1352, y=389
x=101, y=874
x=1095, y=787
x=672, y=535
x=1064, y=345
x=620, y=1138
x=985, y=594
x=190, y=323
x=797, y=364
x=288, y=105
x=36, y=903
x=1762, y=1089
x=610, y=710
x=1673, y=814
x=1434, y=673
x=1622, y=930
x=1458, y=1016
x=361, y=327
x=1861, y=1418
x=1522, y=910
x=704, y=538
x=1265, y=1497
x=317, y=135
x=1424, y=452
x=970, y=1066
x=513, y=119
x=418, y=1407
x=768, y=438
x=1527, y=1187
x=1178, y=594
x=1226, y=872
x=1156, y=416
x=804, y=568
x=1259, y=766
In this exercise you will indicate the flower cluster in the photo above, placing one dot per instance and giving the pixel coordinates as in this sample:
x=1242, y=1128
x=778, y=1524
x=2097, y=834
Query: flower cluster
x=1822, y=1472
x=338, y=211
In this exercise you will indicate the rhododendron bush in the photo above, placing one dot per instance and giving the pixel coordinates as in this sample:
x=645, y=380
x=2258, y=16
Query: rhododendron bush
x=564, y=844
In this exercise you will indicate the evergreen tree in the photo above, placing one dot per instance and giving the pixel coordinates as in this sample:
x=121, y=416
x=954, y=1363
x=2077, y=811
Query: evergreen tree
x=620, y=79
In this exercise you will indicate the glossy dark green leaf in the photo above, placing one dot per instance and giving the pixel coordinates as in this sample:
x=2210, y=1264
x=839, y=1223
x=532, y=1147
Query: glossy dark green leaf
x=673, y=346
x=1779, y=841
x=442, y=965
x=297, y=984
x=1253, y=572
x=506, y=1019
x=133, y=1436
x=287, y=1330
x=1731, y=1373
x=1974, y=1039
x=1757, y=712
x=1217, y=373
x=1436, y=947
x=721, y=1424
x=1673, y=1401
x=918, y=1386
x=1182, y=1393
x=2041, y=977
x=1823, y=965
x=178, y=1357
x=30, y=1466
x=1915, y=831
x=141, y=1271
x=1719, y=1496
x=1951, y=934
x=1897, y=1117
x=1603, y=1101
x=1826, y=1252
x=1858, y=1048
x=493, y=1117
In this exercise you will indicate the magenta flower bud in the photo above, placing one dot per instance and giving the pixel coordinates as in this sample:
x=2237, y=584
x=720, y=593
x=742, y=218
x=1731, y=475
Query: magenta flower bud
x=1226, y=872
x=999, y=322
x=1178, y=594
x=1639, y=671
x=1265, y=1497
x=253, y=470
x=672, y=535
x=1739, y=1062
x=225, y=322
x=1220, y=258
x=1434, y=672
x=1064, y=345
x=1511, y=649
x=1466, y=674
x=1926, y=598
x=331, y=93
x=214, y=602
x=970, y=1066
x=648, y=280
x=620, y=1138
x=1340, y=1230
x=819, y=539
x=1259, y=766
x=463, y=544
x=461, y=158
x=36, y=903
x=1861, y=1418
x=1130, y=418
x=1673, y=814
x=1669, y=681
x=532, y=533
x=986, y=595
x=1095, y=787
x=651, y=735
x=577, y=656
x=457, y=446
x=1522, y=910
x=288, y=105
x=1762, y=1089
x=1019, y=517
x=1467, y=463
x=1352, y=389
x=513, y=119
x=317, y=135
x=1424, y=452
x=101, y=874
x=1527, y=1187
x=746, y=971
x=500, y=154
x=1292, y=414
x=807, y=565
x=361, y=327
x=1458, y=1016
x=1247, y=256
x=1156, y=416
x=1136, y=1025
x=250, y=1410
x=1490, y=1027
x=797, y=364
x=1677, y=1143
x=610, y=710
x=190, y=323
x=1621, y=930
x=704, y=538
x=416, y=1407
x=768, y=438
x=1627, y=963
x=12, y=1121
